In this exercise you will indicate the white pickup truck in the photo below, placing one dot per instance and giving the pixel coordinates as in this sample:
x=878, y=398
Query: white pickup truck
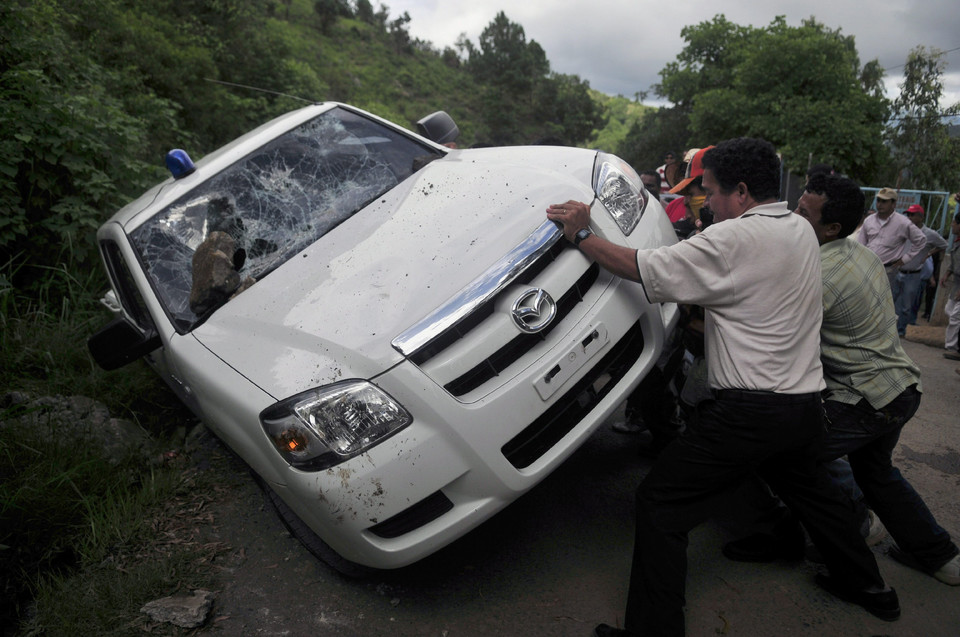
x=387, y=330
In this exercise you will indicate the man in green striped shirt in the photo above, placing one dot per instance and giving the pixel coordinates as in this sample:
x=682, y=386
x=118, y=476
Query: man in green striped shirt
x=872, y=386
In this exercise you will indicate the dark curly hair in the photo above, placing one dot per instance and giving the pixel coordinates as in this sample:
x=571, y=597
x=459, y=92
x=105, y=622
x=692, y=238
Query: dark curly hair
x=749, y=160
x=843, y=201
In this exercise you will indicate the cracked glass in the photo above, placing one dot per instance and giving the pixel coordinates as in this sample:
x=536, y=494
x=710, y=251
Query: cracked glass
x=274, y=203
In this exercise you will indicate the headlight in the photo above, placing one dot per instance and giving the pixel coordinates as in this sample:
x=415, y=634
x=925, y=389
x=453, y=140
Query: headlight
x=325, y=426
x=620, y=190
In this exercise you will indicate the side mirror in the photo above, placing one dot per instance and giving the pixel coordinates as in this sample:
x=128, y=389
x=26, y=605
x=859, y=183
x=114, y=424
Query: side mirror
x=120, y=343
x=438, y=127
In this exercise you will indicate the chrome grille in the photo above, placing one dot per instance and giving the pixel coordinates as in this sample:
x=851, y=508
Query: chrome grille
x=471, y=340
x=491, y=366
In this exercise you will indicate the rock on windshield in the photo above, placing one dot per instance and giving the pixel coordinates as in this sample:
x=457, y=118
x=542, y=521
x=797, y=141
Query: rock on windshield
x=276, y=201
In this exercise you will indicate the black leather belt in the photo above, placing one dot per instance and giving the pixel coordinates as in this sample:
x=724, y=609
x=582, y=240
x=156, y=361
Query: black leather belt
x=763, y=397
x=909, y=271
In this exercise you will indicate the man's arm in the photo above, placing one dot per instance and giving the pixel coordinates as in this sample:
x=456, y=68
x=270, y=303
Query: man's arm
x=614, y=258
x=946, y=266
x=917, y=242
x=575, y=216
x=935, y=243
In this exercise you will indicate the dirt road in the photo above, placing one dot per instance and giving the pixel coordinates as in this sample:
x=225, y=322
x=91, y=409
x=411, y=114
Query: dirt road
x=556, y=562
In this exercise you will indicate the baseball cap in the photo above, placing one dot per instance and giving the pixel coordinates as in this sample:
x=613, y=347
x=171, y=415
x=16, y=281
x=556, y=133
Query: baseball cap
x=694, y=170
x=887, y=193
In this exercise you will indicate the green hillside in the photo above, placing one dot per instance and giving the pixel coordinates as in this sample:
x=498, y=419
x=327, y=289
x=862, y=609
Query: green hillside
x=620, y=115
x=95, y=92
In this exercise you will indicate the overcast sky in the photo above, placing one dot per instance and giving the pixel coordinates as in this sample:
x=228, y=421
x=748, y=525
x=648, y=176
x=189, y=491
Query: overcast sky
x=620, y=46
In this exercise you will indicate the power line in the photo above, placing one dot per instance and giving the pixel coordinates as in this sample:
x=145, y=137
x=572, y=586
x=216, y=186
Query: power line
x=886, y=70
x=941, y=116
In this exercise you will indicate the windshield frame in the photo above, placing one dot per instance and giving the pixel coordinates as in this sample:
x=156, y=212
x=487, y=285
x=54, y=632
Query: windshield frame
x=274, y=202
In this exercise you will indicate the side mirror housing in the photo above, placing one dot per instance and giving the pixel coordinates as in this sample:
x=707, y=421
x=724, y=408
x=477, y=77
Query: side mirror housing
x=120, y=343
x=438, y=127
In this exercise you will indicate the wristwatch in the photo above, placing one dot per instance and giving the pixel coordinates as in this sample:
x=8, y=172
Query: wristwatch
x=581, y=235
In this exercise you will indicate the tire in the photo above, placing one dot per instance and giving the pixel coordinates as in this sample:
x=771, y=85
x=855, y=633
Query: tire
x=305, y=535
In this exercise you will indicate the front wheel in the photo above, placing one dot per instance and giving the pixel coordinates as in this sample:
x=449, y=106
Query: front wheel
x=305, y=535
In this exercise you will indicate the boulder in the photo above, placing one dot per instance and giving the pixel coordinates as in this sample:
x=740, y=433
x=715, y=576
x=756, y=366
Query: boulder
x=185, y=611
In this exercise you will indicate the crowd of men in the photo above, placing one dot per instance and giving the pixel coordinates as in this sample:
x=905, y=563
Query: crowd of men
x=803, y=367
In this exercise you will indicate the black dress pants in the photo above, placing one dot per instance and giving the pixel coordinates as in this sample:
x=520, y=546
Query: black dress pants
x=741, y=432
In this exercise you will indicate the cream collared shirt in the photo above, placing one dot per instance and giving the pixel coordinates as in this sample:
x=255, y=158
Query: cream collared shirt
x=758, y=278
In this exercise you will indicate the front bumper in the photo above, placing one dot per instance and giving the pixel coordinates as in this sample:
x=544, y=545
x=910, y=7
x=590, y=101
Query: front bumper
x=459, y=462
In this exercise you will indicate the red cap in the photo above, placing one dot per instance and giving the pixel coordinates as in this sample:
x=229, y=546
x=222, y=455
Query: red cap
x=915, y=209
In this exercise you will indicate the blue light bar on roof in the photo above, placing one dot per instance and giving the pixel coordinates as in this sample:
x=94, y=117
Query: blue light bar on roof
x=179, y=163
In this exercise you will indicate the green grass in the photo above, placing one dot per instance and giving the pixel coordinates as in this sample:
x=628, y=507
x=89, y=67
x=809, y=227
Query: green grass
x=141, y=550
x=76, y=524
x=43, y=349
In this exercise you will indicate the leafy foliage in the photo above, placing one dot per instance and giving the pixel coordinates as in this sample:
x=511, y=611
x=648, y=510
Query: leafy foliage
x=94, y=92
x=76, y=143
x=619, y=114
x=926, y=156
x=329, y=11
x=801, y=88
x=659, y=131
x=567, y=109
x=522, y=101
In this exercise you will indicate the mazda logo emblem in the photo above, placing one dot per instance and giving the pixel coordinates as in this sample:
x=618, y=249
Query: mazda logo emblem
x=534, y=310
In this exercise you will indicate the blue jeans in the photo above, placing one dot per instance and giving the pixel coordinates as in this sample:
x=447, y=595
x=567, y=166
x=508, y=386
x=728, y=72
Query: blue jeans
x=867, y=436
x=906, y=291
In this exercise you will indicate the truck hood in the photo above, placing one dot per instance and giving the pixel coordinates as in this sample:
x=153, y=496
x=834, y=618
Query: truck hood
x=330, y=312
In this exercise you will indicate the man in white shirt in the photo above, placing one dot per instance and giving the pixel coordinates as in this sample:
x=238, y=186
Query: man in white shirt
x=756, y=272
x=891, y=236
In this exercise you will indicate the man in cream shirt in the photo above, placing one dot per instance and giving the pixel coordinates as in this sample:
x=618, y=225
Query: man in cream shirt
x=756, y=272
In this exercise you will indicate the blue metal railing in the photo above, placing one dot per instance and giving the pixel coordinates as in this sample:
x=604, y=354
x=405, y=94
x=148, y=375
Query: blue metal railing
x=934, y=202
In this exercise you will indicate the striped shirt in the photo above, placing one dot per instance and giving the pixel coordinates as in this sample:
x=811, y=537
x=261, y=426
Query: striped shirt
x=859, y=346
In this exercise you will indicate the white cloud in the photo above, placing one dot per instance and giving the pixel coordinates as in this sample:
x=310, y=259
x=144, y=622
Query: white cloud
x=620, y=46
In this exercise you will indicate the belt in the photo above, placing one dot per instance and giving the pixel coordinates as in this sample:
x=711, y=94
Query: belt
x=763, y=397
x=887, y=265
x=909, y=271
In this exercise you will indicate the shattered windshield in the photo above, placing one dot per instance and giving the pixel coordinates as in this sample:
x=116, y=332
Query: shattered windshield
x=236, y=227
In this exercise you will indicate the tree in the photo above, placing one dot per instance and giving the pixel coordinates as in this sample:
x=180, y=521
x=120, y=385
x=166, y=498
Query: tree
x=364, y=11
x=329, y=11
x=506, y=59
x=510, y=68
x=620, y=113
x=79, y=143
x=927, y=158
x=801, y=88
x=649, y=138
x=450, y=57
x=567, y=110
x=399, y=33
